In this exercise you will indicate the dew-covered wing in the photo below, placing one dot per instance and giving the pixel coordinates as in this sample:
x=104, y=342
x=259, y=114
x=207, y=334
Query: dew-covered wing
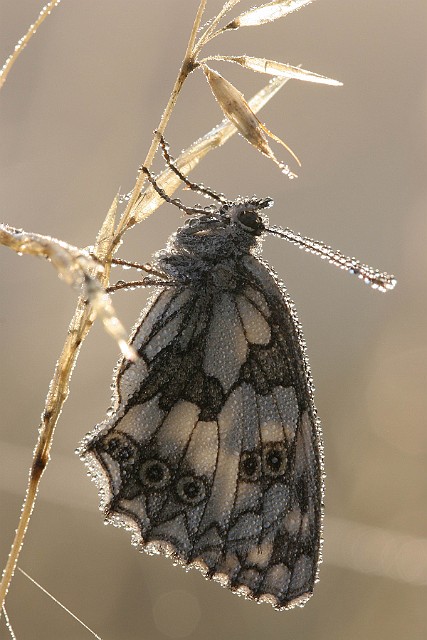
x=212, y=451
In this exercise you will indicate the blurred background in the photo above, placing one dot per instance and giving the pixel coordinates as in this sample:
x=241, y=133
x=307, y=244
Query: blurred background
x=77, y=115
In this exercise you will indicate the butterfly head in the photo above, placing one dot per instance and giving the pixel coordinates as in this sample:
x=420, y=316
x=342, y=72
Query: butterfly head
x=234, y=226
x=244, y=214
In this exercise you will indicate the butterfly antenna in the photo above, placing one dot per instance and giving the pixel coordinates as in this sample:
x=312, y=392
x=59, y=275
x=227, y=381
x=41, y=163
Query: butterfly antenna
x=200, y=188
x=376, y=279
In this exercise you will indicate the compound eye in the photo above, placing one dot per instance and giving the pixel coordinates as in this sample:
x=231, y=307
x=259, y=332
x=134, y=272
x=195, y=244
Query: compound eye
x=250, y=221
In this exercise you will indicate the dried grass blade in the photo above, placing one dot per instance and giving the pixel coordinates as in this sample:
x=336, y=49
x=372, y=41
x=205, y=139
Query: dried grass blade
x=266, y=13
x=279, y=141
x=237, y=110
x=282, y=69
x=105, y=235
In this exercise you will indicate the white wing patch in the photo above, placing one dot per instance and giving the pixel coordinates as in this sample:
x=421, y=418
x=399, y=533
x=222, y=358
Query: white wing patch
x=256, y=328
x=202, y=449
x=230, y=434
x=140, y=422
x=287, y=405
x=226, y=346
x=270, y=421
x=175, y=432
x=258, y=300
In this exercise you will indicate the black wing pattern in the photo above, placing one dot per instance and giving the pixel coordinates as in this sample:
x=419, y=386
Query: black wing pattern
x=212, y=451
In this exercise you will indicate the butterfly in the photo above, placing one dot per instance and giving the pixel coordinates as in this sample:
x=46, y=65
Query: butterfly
x=212, y=453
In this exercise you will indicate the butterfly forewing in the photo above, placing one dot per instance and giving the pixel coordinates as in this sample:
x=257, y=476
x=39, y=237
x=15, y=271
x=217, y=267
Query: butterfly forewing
x=212, y=452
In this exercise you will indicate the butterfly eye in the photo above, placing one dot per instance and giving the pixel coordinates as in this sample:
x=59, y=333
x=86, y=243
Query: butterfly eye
x=250, y=466
x=154, y=474
x=274, y=459
x=191, y=490
x=250, y=221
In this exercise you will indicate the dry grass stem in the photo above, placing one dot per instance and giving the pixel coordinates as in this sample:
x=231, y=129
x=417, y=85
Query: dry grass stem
x=210, y=32
x=22, y=42
x=8, y=623
x=128, y=219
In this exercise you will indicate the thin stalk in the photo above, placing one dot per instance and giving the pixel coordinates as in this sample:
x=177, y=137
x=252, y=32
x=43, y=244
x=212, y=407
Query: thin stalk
x=22, y=43
x=57, y=395
x=209, y=33
x=187, y=67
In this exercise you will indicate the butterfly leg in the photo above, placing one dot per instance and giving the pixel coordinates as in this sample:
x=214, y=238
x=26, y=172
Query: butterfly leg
x=127, y=264
x=200, y=188
x=145, y=282
x=175, y=201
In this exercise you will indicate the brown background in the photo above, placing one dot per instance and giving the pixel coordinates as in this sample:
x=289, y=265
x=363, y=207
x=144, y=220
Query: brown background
x=76, y=119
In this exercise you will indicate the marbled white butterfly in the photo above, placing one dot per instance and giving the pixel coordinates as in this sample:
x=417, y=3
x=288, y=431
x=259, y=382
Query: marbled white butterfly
x=212, y=453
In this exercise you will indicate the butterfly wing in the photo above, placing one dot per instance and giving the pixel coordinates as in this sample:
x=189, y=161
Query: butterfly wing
x=212, y=451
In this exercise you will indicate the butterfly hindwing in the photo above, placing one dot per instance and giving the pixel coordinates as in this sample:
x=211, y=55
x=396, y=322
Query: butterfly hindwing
x=212, y=452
